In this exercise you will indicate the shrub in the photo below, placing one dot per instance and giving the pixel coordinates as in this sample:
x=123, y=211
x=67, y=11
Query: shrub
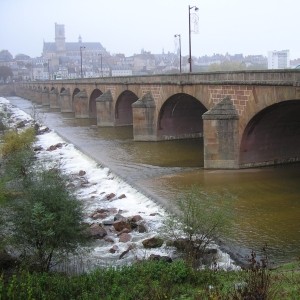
x=202, y=218
x=47, y=220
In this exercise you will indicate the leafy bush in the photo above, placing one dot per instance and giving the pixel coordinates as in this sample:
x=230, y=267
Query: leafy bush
x=47, y=220
x=202, y=217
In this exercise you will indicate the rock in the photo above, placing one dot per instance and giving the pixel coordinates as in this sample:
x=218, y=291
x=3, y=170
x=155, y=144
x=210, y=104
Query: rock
x=114, y=249
x=160, y=258
x=21, y=124
x=153, y=242
x=109, y=239
x=122, y=196
x=81, y=173
x=54, y=147
x=99, y=215
x=119, y=225
x=110, y=196
x=142, y=228
x=118, y=217
x=97, y=231
x=108, y=222
x=37, y=148
x=124, y=237
x=126, y=251
x=42, y=130
x=136, y=218
x=182, y=244
x=125, y=230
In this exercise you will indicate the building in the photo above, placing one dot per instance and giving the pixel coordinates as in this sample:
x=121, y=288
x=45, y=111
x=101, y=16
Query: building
x=62, y=53
x=279, y=59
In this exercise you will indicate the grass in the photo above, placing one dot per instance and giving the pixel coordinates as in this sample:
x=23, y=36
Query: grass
x=148, y=280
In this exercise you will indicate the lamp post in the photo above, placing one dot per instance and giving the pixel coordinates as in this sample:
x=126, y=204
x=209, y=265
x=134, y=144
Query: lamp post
x=190, y=43
x=101, y=64
x=81, y=47
x=49, y=69
x=179, y=37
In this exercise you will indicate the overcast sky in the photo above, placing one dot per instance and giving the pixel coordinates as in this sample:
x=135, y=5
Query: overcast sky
x=128, y=26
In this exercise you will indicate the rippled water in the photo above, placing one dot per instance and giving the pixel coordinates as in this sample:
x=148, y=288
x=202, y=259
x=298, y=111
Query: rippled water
x=266, y=208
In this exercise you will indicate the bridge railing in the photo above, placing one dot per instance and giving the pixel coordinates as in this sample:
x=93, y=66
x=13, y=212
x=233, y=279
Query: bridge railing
x=262, y=77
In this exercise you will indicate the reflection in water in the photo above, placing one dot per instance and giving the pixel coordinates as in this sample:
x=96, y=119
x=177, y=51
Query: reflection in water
x=267, y=204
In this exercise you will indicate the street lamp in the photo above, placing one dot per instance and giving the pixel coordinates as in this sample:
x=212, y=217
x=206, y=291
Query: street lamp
x=179, y=37
x=101, y=64
x=81, y=47
x=190, y=43
x=49, y=76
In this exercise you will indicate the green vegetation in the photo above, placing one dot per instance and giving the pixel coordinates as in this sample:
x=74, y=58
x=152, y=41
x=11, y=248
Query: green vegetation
x=149, y=280
x=202, y=218
x=41, y=220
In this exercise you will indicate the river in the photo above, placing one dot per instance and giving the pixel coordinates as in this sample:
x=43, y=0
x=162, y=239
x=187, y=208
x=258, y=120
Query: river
x=266, y=205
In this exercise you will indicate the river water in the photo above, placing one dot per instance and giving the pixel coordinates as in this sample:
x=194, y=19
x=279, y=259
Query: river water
x=266, y=201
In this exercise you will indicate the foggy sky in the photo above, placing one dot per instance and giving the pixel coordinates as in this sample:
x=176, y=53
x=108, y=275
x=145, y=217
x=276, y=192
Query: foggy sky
x=127, y=26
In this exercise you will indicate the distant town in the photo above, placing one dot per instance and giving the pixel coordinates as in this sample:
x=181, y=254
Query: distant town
x=69, y=60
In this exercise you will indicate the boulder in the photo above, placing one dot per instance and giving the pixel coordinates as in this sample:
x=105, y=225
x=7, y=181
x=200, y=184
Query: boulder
x=97, y=231
x=124, y=237
x=114, y=249
x=160, y=258
x=154, y=242
x=119, y=225
x=81, y=173
x=110, y=196
x=141, y=227
x=135, y=218
x=122, y=196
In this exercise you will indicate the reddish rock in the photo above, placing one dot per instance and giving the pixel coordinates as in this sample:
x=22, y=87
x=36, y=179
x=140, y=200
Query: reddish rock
x=119, y=225
x=136, y=218
x=54, y=147
x=124, y=237
x=110, y=196
x=125, y=230
x=81, y=173
x=114, y=249
x=97, y=232
x=99, y=215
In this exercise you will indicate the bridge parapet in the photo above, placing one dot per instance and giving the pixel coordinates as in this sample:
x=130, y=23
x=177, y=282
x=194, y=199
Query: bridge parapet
x=265, y=77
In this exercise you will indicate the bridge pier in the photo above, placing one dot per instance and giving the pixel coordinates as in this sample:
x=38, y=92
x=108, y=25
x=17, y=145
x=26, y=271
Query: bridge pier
x=53, y=99
x=144, y=126
x=221, y=136
x=45, y=98
x=105, y=112
x=81, y=108
x=65, y=101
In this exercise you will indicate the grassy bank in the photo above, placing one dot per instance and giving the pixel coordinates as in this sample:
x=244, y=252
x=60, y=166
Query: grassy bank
x=155, y=280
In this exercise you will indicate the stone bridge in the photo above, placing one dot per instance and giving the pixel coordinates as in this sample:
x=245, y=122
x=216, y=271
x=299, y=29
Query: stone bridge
x=246, y=118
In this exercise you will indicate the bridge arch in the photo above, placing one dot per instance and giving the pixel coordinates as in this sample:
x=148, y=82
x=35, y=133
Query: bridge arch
x=92, y=103
x=123, y=109
x=62, y=90
x=272, y=136
x=181, y=117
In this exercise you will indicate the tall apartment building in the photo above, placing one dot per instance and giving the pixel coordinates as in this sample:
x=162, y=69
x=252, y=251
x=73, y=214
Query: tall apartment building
x=279, y=59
